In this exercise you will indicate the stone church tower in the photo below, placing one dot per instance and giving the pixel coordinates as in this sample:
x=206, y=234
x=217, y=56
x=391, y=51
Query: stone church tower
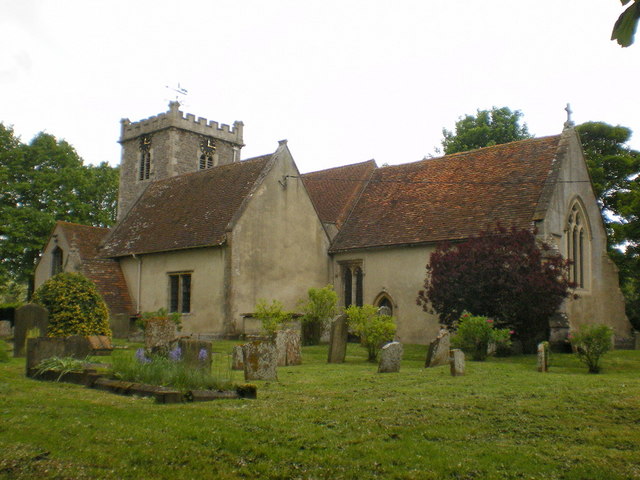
x=171, y=144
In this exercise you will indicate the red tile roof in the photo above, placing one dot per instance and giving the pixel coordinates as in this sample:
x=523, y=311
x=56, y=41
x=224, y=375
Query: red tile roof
x=104, y=272
x=186, y=211
x=451, y=197
x=334, y=191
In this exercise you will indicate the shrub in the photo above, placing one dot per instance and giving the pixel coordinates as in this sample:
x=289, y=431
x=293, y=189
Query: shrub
x=159, y=315
x=319, y=308
x=75, y=306
x=475, y=333
x=272, y=316
x=590, y=343
x=374, y=330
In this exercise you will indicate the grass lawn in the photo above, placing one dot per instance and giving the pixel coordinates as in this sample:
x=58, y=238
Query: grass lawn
x=503, y=420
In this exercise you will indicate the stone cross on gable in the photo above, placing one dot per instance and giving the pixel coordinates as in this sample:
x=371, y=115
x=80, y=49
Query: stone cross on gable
x=569, y=123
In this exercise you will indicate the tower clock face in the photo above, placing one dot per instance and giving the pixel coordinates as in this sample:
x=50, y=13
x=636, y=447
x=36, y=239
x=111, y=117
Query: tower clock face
x=208, y=145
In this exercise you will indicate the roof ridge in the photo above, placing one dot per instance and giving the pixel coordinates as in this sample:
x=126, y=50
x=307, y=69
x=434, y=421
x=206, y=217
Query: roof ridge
x=341, y=166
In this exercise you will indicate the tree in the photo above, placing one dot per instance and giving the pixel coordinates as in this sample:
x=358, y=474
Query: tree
x=45, y=181
x=625, y=27
x=488, y=127
x=504, y=274
x=615, y=171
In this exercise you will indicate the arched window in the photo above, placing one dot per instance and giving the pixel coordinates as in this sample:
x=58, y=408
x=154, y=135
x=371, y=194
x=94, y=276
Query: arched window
x=578, y=245
x=359, y=292
x=348, y=286
x=56, y=261
x=145, y=157
x=383, y=300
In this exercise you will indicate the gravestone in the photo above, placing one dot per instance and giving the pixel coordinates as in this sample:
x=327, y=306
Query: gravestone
x=76, y=346
x=196, y=353
x=288, y=346
x=438, y=353
x=390, y=358
x=260, y=359
x=120, y=325
x=159, y=333
x=5, y=328
x=456, y=362
x=237, y=362
x=338, y=339
x=543, y=357
x=28, y=317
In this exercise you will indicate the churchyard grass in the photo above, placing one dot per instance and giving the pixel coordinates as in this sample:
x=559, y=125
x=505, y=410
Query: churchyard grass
x=502, y=420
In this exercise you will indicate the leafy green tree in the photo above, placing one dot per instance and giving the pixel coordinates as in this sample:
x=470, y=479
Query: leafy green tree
x=373, y=329
x=625, y=27
x=45, y=181
x=318, y=310
x=615, y=171
x=488, y=127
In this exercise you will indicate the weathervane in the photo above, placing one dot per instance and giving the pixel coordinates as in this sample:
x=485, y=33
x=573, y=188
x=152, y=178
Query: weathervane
x=179, y=91
x=569, y=123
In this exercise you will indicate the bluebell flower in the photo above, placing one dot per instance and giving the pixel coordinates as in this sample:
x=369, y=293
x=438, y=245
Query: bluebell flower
x=175, y=354
x=203, y=356
x=141, y=357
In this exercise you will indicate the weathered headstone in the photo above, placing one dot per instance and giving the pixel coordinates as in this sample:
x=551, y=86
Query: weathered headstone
x=438, y=353
x=120, y=325
x=5, y=328
x=159, y=333
x=338, y=339
x=543, y=357
x=28, y=317
x=456, y=362
x=76, y=346
x=288, y=345
x=260, y=360
x=196, y=353
x=237, y=362
x=390, y=358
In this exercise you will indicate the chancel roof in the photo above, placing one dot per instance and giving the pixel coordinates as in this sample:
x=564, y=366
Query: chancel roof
x=334, y=191
x=186, y=211
x=452, y=197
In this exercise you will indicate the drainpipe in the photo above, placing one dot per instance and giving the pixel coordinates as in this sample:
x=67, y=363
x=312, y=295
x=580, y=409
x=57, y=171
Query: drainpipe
x=139, y=280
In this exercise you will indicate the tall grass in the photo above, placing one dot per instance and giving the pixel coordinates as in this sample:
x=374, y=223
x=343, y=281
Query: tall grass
x=163, y=371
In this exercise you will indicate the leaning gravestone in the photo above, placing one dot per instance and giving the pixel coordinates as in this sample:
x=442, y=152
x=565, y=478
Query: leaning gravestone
x=196, y=353
x=159, y=333
x=237, y=363
x=438, y=353
x=456, y=362
x=543, y=357
x=288, y=346
x=338, y=339
x=390, y=358
x=28, y=316
x=5, y=328
x=260, y=359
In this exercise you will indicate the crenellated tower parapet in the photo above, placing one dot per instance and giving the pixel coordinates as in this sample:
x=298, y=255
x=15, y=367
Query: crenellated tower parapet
x=175, y=118
x=170, y=144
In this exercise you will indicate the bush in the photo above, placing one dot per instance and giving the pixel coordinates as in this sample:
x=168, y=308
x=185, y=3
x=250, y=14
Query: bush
x=272, y=316
x=319, y=308
x=590, y=343
x=374, y=330
x=75, y=306
x=475, y=333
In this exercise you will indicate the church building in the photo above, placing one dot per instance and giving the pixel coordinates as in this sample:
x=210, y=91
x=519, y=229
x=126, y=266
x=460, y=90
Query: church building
x=202, y=232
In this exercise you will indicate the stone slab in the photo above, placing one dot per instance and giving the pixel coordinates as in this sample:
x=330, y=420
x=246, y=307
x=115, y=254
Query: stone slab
x=28, y=317
x=338, y=339
x=390, y=358
x=543, y=357
x=456, y=362
x=5, y=329
x=288, y=344
x=237, y=362
x=438, y=352
x=196, y=353
x=260, y=359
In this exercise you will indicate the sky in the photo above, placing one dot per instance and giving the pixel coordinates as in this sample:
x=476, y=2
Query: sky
x=343, y=81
